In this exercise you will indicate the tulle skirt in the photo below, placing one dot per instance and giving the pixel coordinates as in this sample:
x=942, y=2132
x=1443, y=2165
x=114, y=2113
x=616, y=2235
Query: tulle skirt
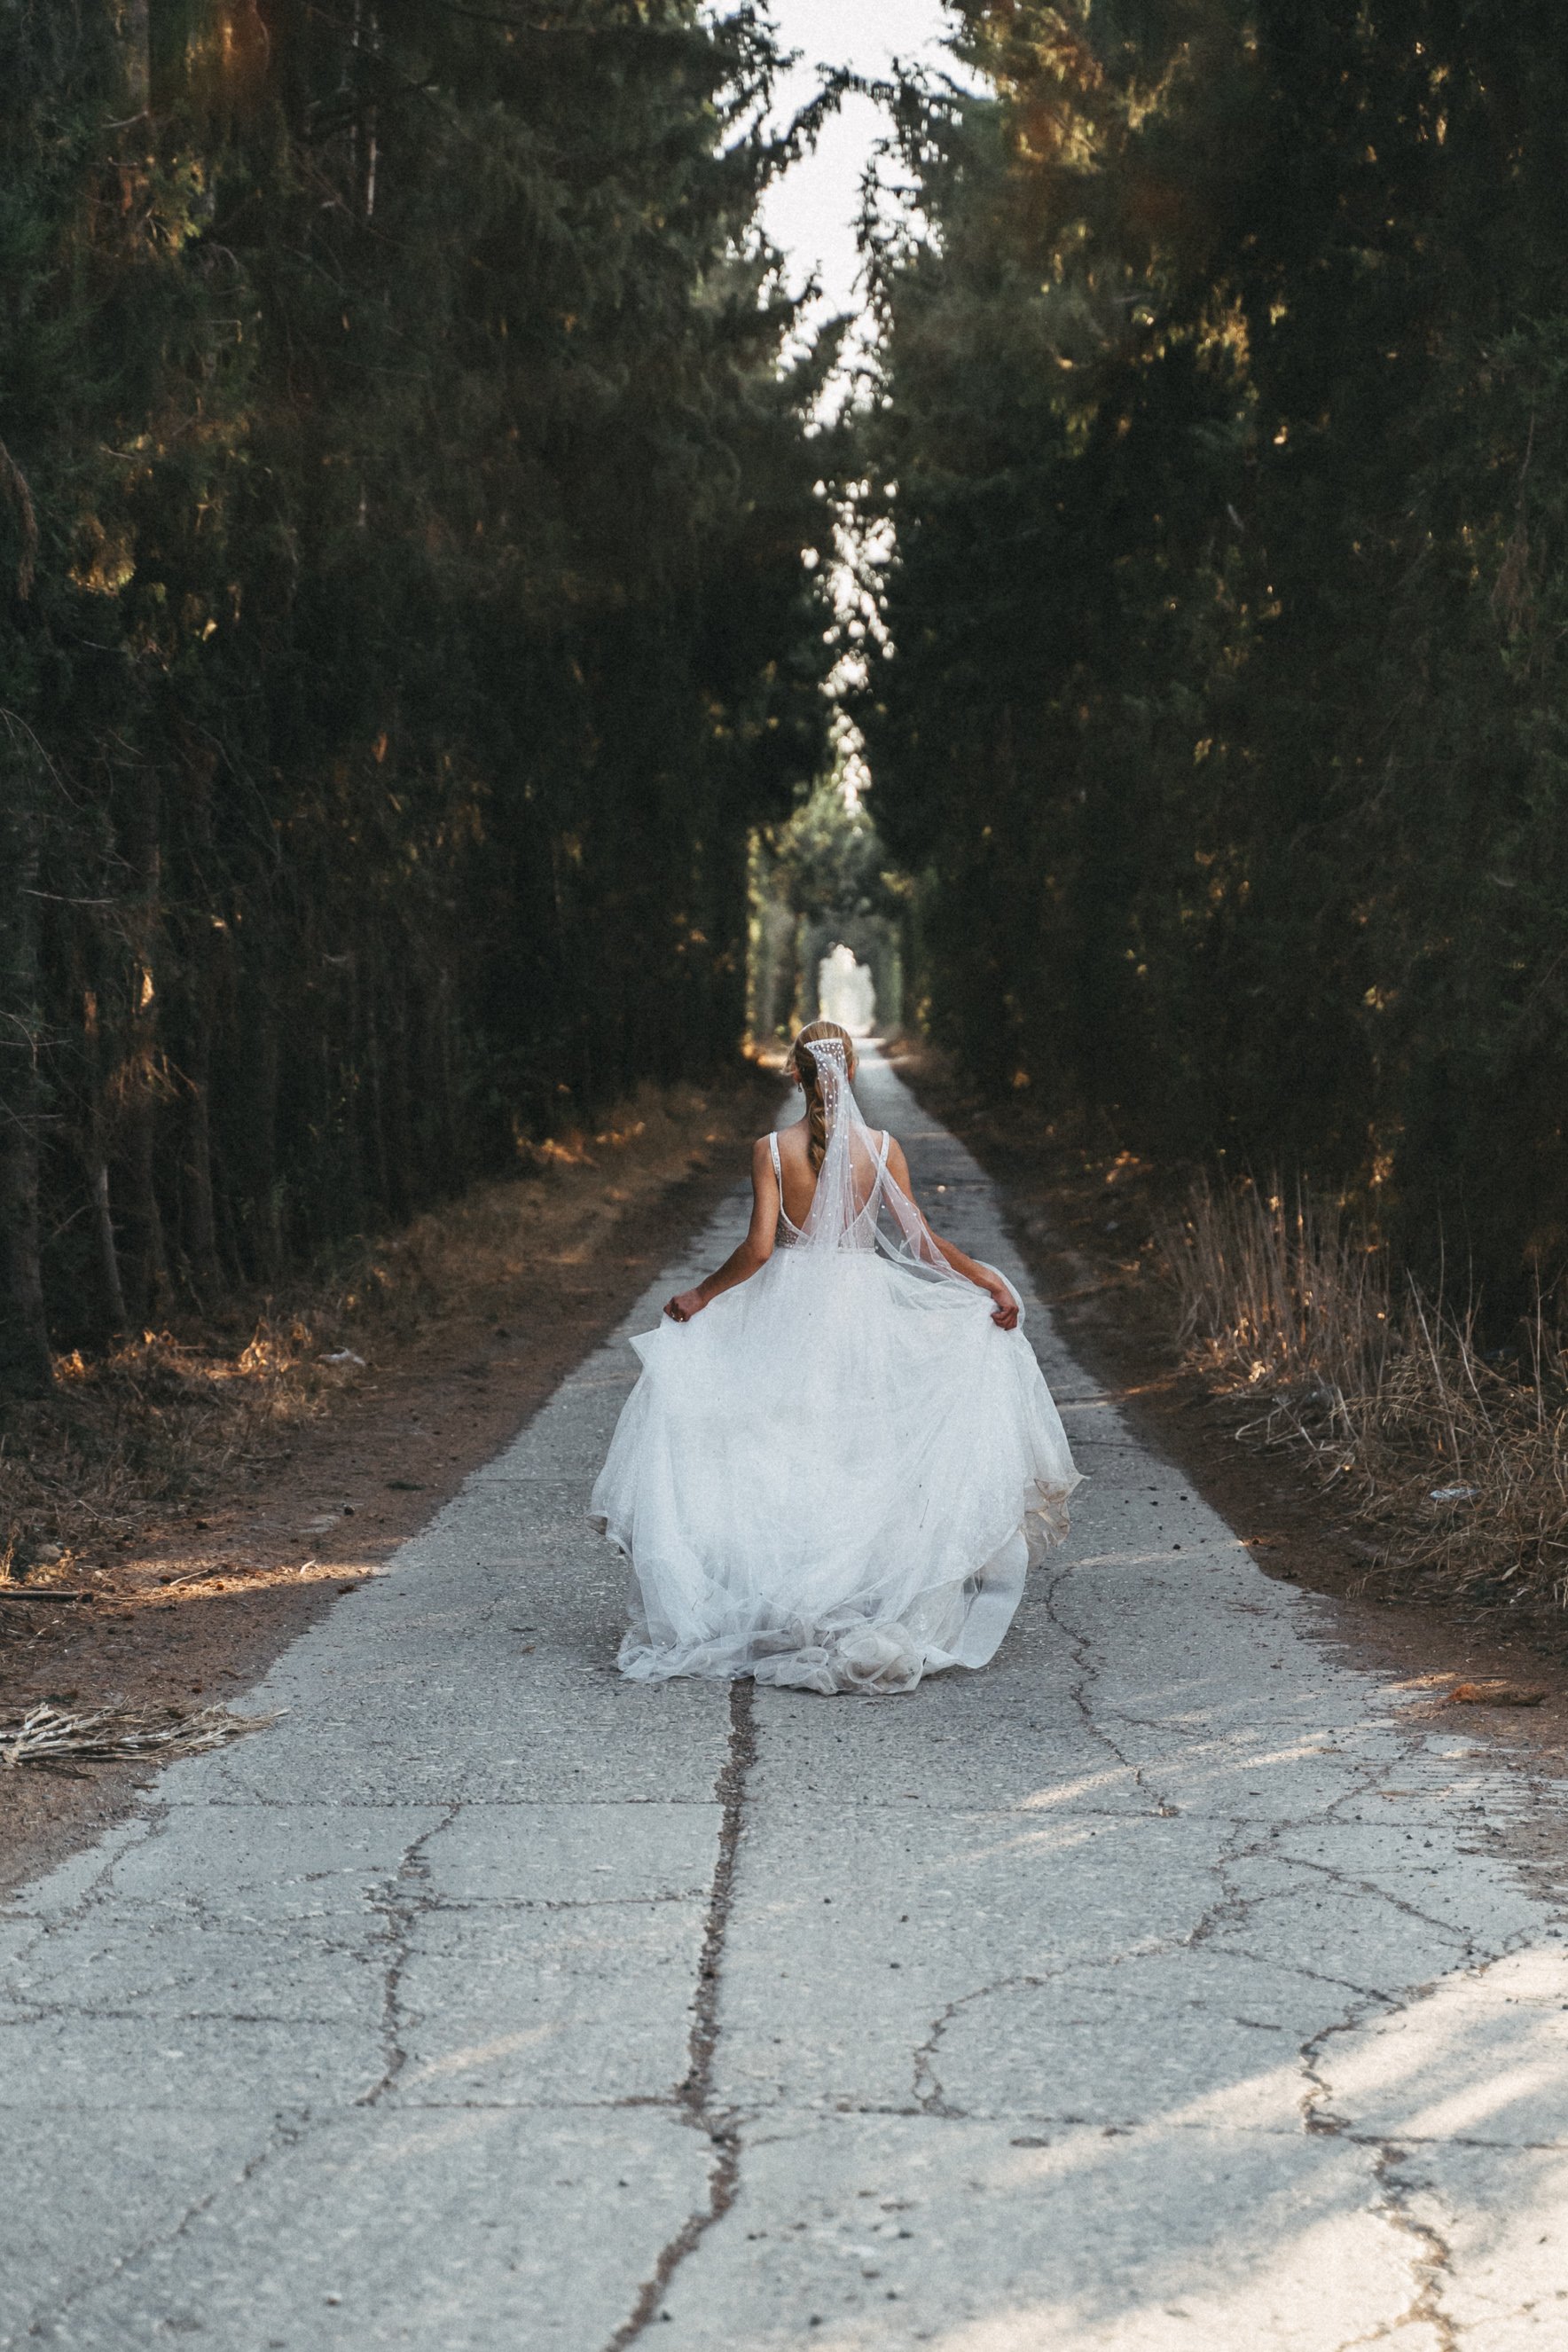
x=836, y=1477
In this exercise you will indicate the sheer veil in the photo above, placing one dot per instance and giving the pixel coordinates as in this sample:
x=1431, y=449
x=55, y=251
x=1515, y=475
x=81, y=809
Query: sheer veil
x=859, y=1204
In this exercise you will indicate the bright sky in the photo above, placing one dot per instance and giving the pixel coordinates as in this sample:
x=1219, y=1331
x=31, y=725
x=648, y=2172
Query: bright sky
x=812, y=213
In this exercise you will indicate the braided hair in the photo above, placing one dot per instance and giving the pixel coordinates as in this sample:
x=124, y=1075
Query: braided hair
x=804, y=1066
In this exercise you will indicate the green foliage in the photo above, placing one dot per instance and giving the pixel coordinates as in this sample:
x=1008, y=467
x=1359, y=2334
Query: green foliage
x=416, y=623
x=1223, y=423
x=820, y=879
x=828, y=861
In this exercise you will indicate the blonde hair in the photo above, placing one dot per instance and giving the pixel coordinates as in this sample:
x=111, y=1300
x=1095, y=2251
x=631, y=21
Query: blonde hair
x=804, y=1063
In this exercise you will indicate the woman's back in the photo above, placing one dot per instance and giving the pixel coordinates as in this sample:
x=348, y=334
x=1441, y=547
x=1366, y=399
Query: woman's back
x=797, y=1175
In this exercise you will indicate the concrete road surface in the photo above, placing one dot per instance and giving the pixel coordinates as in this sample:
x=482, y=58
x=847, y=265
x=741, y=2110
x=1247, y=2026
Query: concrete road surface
x=1168, y=1986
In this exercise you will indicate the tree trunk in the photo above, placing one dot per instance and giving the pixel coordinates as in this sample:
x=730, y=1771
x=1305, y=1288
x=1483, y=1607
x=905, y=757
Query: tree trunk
x=202, y=1223
x=24, y=1367
x=206, y=947
x=136, y=38
x=143, y=1078
x=267, y=1194
x=95, y=1156
x=107, y=1254
x=399, y=1142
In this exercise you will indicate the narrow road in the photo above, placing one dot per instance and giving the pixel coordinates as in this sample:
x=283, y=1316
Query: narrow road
x=1167, y=1987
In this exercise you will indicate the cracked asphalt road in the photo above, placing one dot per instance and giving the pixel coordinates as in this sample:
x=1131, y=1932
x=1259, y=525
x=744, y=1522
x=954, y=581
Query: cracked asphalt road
x=1170, y=1986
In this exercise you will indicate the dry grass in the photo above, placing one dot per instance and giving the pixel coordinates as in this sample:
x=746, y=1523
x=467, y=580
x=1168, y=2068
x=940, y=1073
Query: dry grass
x=1453, y=1463
x=167, y=1415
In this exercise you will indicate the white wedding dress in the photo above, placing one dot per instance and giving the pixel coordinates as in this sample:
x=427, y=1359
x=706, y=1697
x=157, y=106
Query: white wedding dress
x=836, y=1475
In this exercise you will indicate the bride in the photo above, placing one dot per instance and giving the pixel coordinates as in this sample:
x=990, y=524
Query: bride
x=840, y=1458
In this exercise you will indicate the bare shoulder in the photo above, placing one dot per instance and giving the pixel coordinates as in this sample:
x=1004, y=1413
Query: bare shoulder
x=897, y=1165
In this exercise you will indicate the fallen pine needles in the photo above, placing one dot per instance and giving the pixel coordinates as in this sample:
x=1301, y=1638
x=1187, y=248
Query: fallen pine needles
x=160, y=1418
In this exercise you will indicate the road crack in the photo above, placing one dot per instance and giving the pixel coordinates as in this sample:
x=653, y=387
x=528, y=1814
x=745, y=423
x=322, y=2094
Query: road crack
x=1430, y=2266
x=405, y=1901
x=286, y=2132
x=694, y=2095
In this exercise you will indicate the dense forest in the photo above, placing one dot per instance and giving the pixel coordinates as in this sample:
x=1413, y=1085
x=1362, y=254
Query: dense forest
x=403, y=622
x=415, y=601
x=1220, y=410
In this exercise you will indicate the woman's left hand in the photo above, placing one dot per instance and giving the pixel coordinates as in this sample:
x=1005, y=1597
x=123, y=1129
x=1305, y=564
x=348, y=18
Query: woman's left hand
x=1004, y=1307
x=685, y=1305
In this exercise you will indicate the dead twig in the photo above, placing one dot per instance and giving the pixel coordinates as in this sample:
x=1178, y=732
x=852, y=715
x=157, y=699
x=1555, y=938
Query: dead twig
x=49, y=1734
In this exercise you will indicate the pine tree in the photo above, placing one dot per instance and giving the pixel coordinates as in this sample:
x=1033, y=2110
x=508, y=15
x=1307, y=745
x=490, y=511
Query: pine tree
x=1213, y=421
x=406, y=505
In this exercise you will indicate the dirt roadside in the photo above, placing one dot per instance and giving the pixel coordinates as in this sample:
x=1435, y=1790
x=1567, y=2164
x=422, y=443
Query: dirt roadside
x=193, y=1605
x=196, y=1601
x=1082, y=1221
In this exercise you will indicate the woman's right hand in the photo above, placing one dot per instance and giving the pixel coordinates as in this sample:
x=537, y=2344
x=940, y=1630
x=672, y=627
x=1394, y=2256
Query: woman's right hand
x=1004, y=1307
x=685, y=1305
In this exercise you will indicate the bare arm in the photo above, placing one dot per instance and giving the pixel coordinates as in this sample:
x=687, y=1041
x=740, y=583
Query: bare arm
x=1004, y=1308
x=754, y=1252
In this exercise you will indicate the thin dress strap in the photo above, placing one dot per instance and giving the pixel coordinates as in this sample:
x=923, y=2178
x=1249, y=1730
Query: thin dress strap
x=887, y=1145
x=778, y=1170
